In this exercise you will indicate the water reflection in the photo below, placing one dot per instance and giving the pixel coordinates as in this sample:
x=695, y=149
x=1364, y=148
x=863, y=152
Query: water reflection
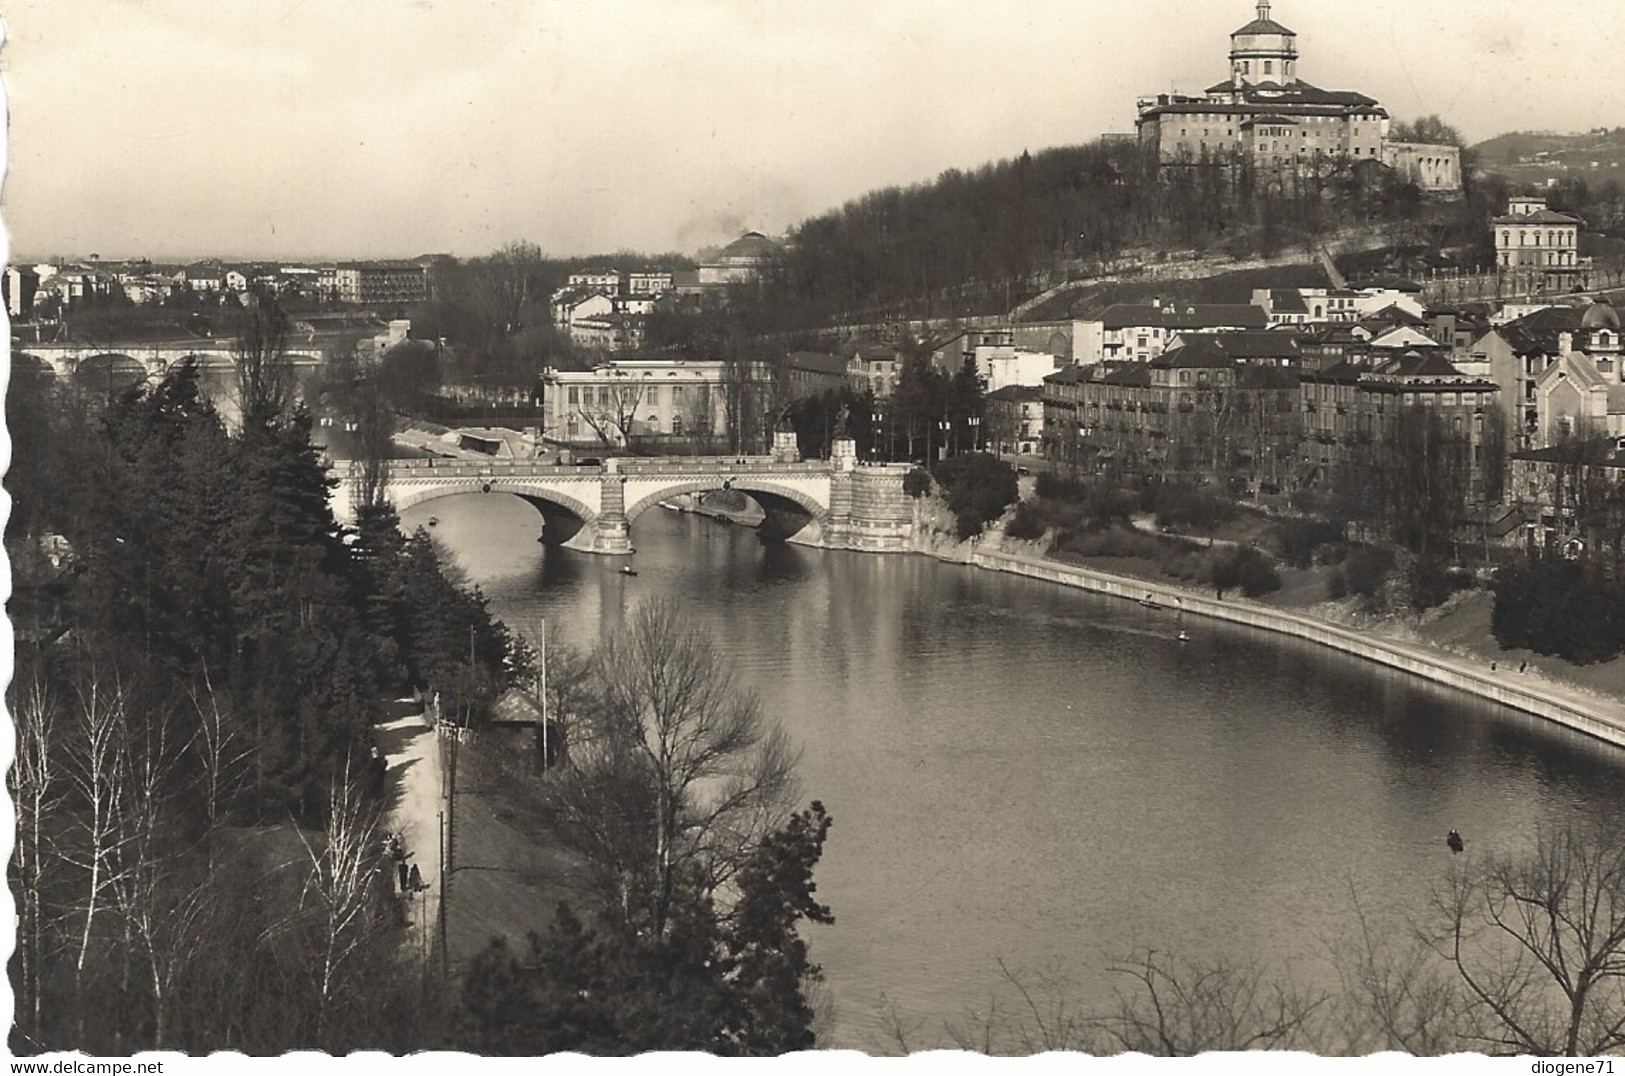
x=1023, y=772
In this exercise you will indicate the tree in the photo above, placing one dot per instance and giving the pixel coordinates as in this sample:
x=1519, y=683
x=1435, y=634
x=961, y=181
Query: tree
x=265, y=381
x=1538, y=943
x=1174, y=1008
x=767, y=966
x=979, y=488
x=725, y=981
x=342, y=886
x=680, y=777
x=36, y=786
x=919, y=405
x=1429, y=129
x=614, y=415
x=1161, y=1005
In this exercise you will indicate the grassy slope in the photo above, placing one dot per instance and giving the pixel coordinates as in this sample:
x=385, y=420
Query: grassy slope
x=1460, y=626
x=510, y=872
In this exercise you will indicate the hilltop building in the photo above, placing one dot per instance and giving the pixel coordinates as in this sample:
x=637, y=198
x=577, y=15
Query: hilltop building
x=740, y=262
x=1267, y=116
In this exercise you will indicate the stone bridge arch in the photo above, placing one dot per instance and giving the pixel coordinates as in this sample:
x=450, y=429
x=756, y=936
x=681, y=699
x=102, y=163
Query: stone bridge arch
x=110, y=369
x=564, y=516
x=777, y=499
x=27, y=364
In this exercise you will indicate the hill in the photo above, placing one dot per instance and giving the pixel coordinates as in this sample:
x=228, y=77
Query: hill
x=1538, y=156
x=985, y=240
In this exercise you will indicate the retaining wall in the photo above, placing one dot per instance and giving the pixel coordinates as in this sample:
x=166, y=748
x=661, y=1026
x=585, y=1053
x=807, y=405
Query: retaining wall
x=1603, y=719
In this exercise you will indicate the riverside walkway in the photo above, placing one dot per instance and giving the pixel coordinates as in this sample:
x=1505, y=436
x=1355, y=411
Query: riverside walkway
x=1573, y=707
x=413, y=805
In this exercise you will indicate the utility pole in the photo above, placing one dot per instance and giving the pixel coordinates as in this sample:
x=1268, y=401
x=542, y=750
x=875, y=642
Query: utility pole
x=445, y=879
x=544, y=696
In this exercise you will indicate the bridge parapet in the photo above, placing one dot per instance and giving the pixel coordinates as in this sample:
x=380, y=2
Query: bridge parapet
x=725, y=464
x=464, y=468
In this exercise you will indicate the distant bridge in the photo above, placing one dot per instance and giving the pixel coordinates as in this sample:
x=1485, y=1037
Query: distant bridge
x=126, y=361
x=836, y=504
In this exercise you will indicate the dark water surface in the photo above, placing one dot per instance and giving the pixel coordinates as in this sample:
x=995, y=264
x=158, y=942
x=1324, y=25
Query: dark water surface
x=1024, y=772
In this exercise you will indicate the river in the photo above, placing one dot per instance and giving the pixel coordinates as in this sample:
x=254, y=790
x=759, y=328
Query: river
x=1025, y=773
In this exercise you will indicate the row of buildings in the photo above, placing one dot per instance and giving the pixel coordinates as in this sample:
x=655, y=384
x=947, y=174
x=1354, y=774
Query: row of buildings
x=1285, y=404
x=60, y=285
x=604, y=310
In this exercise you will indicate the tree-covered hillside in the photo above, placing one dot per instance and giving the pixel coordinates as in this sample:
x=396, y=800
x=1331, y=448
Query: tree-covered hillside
x=985, y=239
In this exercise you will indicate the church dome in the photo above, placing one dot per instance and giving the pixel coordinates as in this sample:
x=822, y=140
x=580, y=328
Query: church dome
x=1264, y=51
x=1600, y=315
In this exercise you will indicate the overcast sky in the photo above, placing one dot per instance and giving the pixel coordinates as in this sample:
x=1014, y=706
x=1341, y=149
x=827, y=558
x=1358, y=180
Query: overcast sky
x=376, y=128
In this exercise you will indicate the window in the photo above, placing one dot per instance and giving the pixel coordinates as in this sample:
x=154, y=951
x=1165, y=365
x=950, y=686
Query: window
x=574, y=396
x=1269, y=67
x=677, y=425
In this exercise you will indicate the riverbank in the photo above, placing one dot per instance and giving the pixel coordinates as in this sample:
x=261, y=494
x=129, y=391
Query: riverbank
x=1595, y=715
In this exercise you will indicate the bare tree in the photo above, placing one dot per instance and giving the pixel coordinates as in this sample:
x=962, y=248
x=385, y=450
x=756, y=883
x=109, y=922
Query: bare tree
x=683, y=776
x=1394, y=997
x=1162, y=1005
x=698, y=413
x=375, y=425
x=222, y=752
x=342, y=885
x=1174, y=1008
x=166, y=919
x=98, y=772
x=1538, y=942
x=615, y=414
x=265, y=380
x=1046, y=1015
x=36, y=786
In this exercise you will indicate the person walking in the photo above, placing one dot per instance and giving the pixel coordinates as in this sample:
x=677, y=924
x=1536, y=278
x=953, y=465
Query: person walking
x=400, y=873
x=417, y=879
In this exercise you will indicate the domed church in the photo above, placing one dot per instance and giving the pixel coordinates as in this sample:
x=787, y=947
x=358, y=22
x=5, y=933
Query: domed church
x=1265, y=114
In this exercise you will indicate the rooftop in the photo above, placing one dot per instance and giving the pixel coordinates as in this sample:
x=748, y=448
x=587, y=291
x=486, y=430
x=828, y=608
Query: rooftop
x=1185, y=316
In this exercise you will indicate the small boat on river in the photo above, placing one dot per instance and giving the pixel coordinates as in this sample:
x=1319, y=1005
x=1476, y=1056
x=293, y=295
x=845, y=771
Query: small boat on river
x=627, y=569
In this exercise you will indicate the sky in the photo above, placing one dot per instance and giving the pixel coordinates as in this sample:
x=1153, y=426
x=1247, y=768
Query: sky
x=307, y=129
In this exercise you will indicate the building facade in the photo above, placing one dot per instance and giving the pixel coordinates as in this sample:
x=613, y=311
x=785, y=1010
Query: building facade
x=1267, y=116
x=1137, y=332
x=381, y=282
x=622, y=400
x=1539, y=242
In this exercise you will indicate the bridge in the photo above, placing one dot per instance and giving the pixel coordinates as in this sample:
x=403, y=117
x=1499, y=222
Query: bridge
x=127, y=361
x=834, y=504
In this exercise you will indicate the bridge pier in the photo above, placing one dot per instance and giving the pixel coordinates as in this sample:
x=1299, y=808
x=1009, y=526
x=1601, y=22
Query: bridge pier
x=612, y=534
